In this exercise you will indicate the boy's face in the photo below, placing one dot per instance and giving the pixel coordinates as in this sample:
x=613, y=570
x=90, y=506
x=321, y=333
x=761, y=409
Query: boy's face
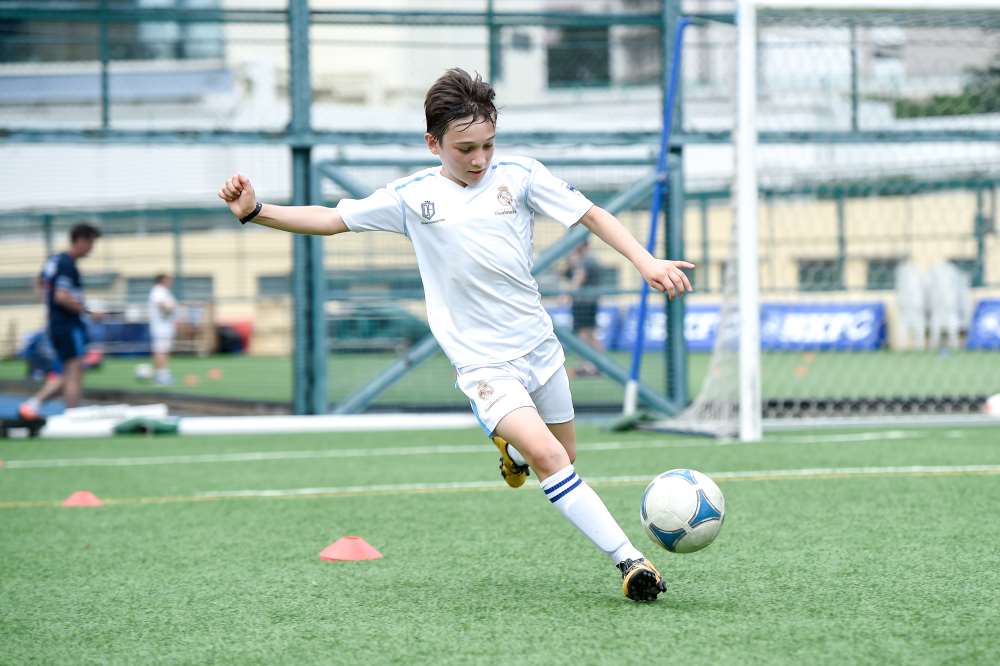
x=81, y=247
x=465, y=150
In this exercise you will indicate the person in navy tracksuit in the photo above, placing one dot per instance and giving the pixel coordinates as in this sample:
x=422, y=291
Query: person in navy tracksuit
x=63, y=289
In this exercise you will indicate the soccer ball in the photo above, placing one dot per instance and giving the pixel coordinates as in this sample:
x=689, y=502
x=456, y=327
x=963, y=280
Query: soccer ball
x=143, y=372
x=682, y=510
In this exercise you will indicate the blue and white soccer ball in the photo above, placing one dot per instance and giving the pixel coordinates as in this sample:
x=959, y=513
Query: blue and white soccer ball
x=682, y=510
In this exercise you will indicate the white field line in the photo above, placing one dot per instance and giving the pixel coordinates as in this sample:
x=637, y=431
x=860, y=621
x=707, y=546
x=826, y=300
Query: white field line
x=465, y=486
x=744, y=475
x=316, y=454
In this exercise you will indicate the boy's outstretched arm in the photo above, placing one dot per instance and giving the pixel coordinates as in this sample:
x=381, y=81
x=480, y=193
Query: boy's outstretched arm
x=661, y=274
x=239, y=195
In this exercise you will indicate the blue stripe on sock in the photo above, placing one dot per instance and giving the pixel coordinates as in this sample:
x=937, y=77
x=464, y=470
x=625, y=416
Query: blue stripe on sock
x=561, y=483
x=566, y=492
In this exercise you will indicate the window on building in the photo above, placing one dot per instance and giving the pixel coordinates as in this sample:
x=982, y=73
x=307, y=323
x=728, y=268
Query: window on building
x=881, y=273
x=27, y=40
x=579, y=57
x=820, y=275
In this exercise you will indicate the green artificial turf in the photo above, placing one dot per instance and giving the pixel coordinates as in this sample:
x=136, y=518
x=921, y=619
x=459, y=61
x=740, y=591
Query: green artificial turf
x=785, y=374
x=892, y=567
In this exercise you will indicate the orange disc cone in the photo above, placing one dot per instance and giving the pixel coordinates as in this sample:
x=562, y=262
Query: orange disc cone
x=83, y=498
x=349, y=548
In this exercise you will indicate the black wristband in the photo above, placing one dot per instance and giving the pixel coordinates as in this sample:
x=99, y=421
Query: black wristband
x=253, y=213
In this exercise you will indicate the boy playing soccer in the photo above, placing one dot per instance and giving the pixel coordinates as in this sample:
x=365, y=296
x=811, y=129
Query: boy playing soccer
x=470, y=221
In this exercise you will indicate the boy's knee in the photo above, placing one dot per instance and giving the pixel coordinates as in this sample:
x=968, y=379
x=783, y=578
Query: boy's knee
x=550, y=460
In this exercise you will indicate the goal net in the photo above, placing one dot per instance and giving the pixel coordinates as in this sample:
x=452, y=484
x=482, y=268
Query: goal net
x=863, y=272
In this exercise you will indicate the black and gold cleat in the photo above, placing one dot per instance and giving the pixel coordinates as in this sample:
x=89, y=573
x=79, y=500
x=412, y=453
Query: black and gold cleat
x=640, y=580
x=515, y=475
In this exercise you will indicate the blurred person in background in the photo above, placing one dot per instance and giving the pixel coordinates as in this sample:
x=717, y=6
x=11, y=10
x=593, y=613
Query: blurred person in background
x=911, y=300
x=62, y=287
x=584, y=275
x=162, y=315
x=949, y=303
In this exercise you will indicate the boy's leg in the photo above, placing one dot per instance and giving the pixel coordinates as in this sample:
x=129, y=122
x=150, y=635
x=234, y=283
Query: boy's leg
x=566, y=434
x=65, y=348
x=29, y=409
x=577, y=501
x=73, y=373
x=562, y=486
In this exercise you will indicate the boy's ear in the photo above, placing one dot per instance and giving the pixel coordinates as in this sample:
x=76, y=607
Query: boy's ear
x=432, y=143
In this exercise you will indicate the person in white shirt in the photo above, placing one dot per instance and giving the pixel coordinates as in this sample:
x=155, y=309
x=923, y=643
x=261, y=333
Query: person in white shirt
x=470, y=221
x=162, y=315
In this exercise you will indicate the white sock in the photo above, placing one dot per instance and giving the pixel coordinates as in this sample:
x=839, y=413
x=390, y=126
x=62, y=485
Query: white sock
x=581, y=506
x=515, y=455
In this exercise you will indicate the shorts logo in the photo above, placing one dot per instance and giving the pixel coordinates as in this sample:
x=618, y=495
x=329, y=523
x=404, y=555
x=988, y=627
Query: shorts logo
x=427, y=209
x=569, y=187
x=485, y=391
x=506, y=199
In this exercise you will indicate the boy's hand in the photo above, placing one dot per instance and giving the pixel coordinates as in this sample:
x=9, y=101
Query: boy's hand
x=238, y=194
x=667, y=276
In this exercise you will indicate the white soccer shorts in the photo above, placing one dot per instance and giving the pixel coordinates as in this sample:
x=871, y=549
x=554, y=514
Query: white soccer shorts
x=537, y=379
x=162, y=345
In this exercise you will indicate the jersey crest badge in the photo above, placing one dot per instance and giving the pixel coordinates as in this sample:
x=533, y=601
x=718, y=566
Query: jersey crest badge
x=506, y=199
x=427, y=209
x=504, y=196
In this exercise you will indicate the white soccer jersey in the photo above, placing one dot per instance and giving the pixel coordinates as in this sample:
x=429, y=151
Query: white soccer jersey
x=161, y=324
x=474, y=251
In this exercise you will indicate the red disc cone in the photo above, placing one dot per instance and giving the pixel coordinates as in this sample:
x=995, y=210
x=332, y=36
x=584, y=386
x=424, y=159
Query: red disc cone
x=349, y=548
x=83, y=498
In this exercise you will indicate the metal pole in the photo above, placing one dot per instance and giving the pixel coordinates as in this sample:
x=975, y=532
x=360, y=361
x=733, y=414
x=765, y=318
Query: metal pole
x=309, y=354
x=841, y=241
x=705, y=270
x=496, y=63
x=178, y=233
x=671, y=83
x=676, y=356
x=47, y=231
x=854, y=77
x=979, y=229
x=105, y=58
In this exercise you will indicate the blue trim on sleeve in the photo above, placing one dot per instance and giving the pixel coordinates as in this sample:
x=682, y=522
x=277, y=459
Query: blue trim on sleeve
x=412, y=180
x=512, y=163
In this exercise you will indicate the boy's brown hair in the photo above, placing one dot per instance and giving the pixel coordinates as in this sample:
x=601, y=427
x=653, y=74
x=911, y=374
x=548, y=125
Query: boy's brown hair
x=456, y=95
x=83, y=230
